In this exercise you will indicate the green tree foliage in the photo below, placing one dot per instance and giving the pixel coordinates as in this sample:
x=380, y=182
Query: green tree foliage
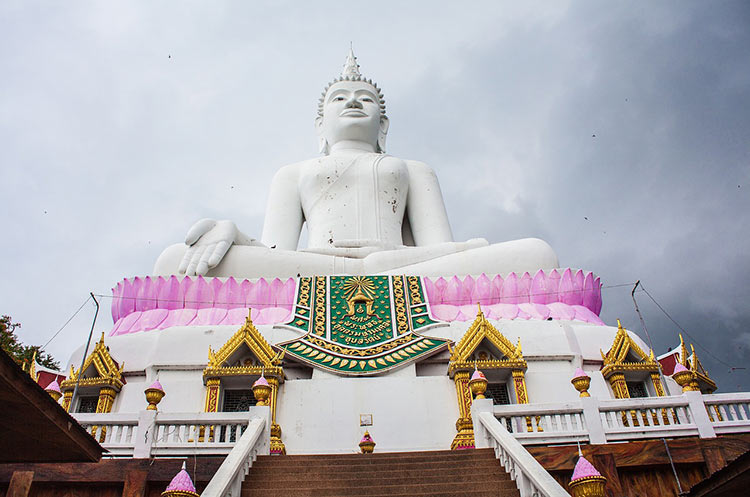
x=21, y=353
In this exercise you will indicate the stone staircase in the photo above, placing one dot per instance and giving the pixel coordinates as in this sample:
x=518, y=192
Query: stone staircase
x=436, y=473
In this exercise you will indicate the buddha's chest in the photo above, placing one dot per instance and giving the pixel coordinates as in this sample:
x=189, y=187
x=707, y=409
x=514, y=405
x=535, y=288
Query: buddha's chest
x=368, y=182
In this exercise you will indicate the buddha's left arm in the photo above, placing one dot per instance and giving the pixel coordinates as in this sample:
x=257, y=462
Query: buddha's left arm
x=424, y=206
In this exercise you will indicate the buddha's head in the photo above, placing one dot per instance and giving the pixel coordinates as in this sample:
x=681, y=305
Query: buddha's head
x=351, y=108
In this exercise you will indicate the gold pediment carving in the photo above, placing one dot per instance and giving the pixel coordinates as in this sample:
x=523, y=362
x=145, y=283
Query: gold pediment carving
x=246, y=353
x=691, y=362
x=625, y=355
x=98, y=370
x=500, y=352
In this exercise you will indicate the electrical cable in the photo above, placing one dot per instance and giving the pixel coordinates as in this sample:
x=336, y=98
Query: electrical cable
x=66, y=323
x=685, y=332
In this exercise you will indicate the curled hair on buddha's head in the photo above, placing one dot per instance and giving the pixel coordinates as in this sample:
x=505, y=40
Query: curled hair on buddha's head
x=351, y=73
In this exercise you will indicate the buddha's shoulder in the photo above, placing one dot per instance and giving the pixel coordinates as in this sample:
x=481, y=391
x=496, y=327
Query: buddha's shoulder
x=293, y=170
x=419, y=167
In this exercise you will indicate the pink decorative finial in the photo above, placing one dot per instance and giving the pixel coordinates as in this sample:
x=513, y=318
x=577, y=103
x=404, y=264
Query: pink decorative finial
x=261, y=381
x=478, y=375
x=679, y=368
x=586, y=480
x=584, y=469
x=157, y=386
x=579, y=373
x=181, y=485
x=54, y=386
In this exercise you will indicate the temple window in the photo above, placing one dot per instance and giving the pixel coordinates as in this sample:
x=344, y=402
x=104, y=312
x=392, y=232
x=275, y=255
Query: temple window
x=629, y=371
x=237, y=400
x=483, y=347
x=637, y=389
x=87, y=404
x=233, y=369
x=498, y=392
x=99, y=381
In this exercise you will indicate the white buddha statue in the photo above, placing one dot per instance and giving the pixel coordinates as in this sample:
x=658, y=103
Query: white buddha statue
x=366, y=212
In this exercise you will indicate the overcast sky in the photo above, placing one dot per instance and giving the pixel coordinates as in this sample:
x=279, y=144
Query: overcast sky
x=618, y=132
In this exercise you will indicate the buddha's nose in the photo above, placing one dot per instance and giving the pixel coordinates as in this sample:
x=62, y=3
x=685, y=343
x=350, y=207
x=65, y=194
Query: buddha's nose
x=354, y=103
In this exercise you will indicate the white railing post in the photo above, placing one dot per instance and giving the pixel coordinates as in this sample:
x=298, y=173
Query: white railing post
x=699, y=414
x=227, y=481
x=480, y=433
x=144, y=434
x=593, y=420
x=263, y=445
x=532, y=480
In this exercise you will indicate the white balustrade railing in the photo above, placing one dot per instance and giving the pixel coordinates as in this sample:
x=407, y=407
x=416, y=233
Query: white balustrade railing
x=728, y=412
x=227, y=481
x=151, y=433
x=630, y=419
x=531, y=478
x=543, y=423
x=114, y=431
x=600, y=421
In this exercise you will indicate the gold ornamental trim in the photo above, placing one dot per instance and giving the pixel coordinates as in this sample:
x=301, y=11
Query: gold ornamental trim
x=619, y=358
x=481, y=329
x=269, y=361
x=108, y=373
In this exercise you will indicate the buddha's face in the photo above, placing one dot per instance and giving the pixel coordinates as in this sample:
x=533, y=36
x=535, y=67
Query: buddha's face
x=351, y=111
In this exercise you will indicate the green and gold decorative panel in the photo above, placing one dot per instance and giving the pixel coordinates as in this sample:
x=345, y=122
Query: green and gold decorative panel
x=361, y=324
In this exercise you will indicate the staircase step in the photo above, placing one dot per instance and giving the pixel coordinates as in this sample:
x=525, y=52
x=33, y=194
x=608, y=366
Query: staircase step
x=472, y=473
x=460, y=454
x=314, y=474
x=416, y=489
x=448, y=456
x=366, y=467
x=374, y=480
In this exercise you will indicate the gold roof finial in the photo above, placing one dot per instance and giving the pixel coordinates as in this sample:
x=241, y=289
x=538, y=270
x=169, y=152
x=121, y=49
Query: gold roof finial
x=479, y=310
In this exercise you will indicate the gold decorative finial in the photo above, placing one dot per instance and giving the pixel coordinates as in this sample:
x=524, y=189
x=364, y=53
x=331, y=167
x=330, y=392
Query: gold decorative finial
x=479, y=310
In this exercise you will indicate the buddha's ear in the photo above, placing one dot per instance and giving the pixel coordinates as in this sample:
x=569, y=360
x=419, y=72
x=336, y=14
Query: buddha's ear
x=322, y=142
x=382, y=132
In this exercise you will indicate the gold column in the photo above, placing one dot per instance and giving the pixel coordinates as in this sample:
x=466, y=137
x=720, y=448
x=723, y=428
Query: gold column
x=106, y=399
x=617, y=381
x=659, y=389
x=104, y=405
x=656, y=379
x=67, y=397
x=522, y=397
x=620, y=388
x=277, y=446
x=213, y=389
x=464, y=439
x=213, y=386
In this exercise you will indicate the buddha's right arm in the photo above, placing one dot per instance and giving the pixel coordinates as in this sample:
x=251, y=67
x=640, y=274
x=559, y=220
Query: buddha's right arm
x=208, y=242
x=283, y=222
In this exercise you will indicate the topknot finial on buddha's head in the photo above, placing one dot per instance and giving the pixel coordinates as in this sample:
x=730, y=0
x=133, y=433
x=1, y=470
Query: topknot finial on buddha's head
x=351, y=73
x=351, y=68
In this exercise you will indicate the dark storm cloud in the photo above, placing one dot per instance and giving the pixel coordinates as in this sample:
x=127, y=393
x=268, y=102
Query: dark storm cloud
x=617, y=133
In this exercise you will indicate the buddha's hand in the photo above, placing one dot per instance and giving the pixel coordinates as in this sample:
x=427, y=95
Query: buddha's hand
x=208, y=241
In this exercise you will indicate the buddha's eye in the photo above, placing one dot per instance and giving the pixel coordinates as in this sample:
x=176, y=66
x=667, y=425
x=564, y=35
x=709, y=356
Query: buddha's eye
x=367, y=99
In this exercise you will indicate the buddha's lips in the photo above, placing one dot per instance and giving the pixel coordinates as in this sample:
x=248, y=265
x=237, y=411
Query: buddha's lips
x=353, y=113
